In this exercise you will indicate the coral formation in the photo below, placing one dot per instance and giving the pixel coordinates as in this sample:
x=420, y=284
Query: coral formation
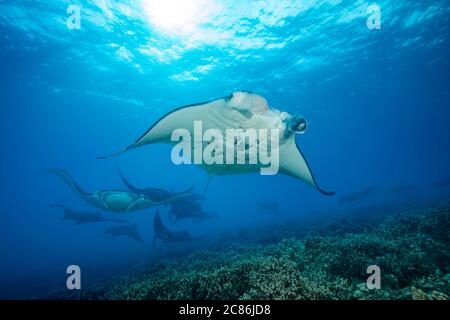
x=328, y=262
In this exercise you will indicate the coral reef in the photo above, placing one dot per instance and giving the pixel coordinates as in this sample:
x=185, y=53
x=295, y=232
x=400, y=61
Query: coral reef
x=412, y=249
x=418, y=294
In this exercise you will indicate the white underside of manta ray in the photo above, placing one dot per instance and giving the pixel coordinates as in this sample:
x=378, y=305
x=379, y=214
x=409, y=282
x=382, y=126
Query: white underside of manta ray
x=240, y=110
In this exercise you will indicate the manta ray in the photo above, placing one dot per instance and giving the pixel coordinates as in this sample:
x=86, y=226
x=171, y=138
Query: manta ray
x=117, y=201
x=188, y=209
x=240, y=110
x=165, y=235
x=157, y=194
x=84, y=217
x=268, y=207
x=128, y=231
x=356, y=196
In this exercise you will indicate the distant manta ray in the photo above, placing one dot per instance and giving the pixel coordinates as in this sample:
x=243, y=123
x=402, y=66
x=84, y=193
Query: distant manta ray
x=130, y=231
x=157, y=194
x=117, y=201
x=188, y=209
x=84, y=217
x=268, y=207
x=356, y=196
x=240, y=110
x=165, y=235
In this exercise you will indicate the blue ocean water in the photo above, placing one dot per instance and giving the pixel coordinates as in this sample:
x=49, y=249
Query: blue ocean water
x=376, y=102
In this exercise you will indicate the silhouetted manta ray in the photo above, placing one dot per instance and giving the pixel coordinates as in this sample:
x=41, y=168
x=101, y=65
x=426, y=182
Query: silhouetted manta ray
x=165, y=235
x=84, y=217
x=188, y=209
x=356, y=196
x=240, y=110
x=268, y=207
x=155, y=194
x=128, y=231
x=117, y=201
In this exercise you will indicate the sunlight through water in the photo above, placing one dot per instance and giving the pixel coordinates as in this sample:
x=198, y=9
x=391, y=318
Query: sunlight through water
x=177, y=17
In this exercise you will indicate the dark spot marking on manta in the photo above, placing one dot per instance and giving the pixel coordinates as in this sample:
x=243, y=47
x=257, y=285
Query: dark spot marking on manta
x=247, y=114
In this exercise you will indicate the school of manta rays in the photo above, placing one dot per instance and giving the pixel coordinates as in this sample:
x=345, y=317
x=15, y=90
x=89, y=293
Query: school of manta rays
x=239, y=110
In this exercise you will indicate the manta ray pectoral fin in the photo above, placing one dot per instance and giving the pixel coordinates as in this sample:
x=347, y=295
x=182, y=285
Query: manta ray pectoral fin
x=162, y=129
x=68, y=180
x=293, y=163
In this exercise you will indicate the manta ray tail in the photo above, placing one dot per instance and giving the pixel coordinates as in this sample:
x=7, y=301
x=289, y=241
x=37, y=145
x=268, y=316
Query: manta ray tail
x=112, y=155
x=115, y=154
x=68, y=180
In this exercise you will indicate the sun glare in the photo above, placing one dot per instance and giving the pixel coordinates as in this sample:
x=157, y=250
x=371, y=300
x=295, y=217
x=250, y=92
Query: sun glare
x=174, y=16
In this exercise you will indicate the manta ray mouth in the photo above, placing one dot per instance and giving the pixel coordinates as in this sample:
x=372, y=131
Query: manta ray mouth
x=296, y=124
x=301, y=126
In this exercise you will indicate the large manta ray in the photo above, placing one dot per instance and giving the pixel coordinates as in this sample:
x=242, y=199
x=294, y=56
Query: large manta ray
x=240, y=110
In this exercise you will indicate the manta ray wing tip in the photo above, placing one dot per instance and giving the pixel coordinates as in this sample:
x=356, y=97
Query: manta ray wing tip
x=109, y=156
x=112, y=155
x=327, y=193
